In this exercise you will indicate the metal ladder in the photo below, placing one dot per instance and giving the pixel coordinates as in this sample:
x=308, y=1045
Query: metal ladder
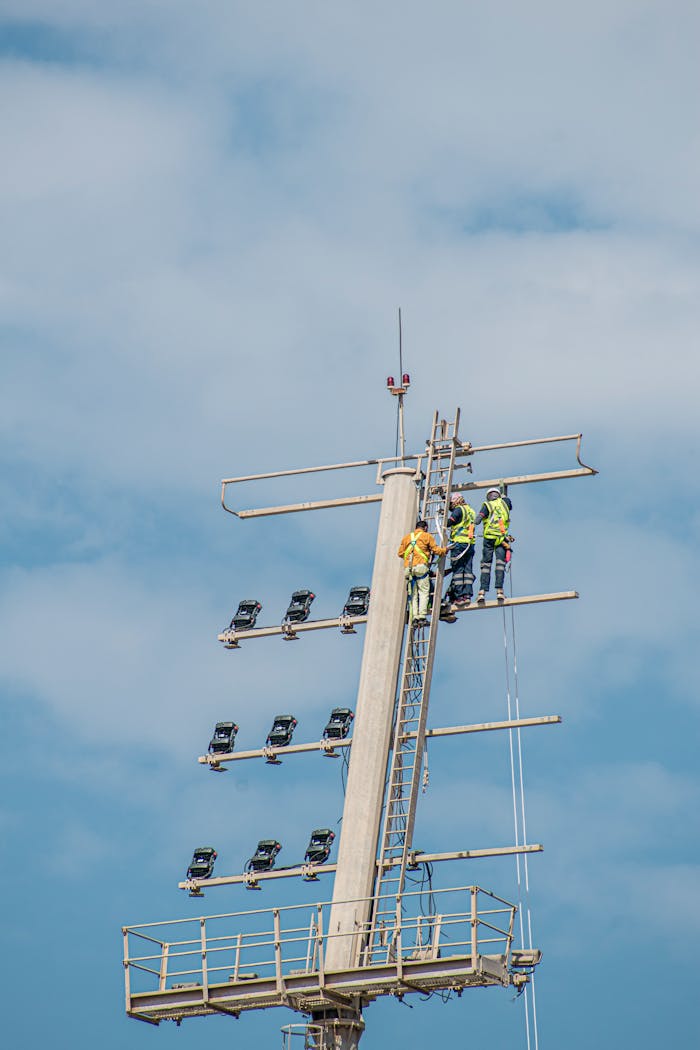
x=403, y=781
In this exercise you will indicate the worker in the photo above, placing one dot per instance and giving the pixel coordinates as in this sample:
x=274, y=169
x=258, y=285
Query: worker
x=461, y=522
x=495, y=514
x=417, y=549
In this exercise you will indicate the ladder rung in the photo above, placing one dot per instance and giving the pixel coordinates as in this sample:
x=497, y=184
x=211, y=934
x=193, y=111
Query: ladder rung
x=404, y=777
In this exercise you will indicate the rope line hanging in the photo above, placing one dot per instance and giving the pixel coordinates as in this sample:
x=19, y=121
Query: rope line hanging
x=519, y=817
x=523, y=813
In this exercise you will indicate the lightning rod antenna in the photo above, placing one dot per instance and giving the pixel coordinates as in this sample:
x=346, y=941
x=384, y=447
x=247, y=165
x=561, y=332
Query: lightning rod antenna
x=399, y=391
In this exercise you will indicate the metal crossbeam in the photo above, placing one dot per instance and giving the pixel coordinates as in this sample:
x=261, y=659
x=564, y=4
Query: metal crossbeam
x=310, y=871
x=524, y=479
x=463, y=449
x=232, y=638
x=485, y=727
x=529, y=599
x=327, y=747
x=324, y=747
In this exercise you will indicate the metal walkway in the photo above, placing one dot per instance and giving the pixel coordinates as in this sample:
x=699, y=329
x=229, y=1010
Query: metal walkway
x=275, y=957
x=403, y=782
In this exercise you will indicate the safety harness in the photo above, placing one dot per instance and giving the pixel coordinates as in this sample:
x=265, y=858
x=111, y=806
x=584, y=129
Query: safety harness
x=463, y=531
x=496, y=525
x=412, y=551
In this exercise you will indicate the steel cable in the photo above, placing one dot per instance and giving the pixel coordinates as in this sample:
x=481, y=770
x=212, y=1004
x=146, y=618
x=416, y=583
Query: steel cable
x=519, y=820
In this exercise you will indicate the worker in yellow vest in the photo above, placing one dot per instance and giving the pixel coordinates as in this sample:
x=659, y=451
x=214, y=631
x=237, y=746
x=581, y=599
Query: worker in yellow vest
x=461, y=523
x=417, y=549
x=495, y=514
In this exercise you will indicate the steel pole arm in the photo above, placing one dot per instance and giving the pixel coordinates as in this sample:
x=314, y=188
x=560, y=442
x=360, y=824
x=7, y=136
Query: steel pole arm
x=464, y=449
x=328, y=747
x=310, y=871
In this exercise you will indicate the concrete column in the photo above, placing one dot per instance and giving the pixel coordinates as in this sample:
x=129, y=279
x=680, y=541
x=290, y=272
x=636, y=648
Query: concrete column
x=357, y=851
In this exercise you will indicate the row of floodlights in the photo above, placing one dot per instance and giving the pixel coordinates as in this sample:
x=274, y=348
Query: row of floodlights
x=299, y=607
x=283, y=726
x=317, y=852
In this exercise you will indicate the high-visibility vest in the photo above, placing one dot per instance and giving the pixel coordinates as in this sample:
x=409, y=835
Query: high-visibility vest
x=463, y=531
x=496, y=525
x=413, y=550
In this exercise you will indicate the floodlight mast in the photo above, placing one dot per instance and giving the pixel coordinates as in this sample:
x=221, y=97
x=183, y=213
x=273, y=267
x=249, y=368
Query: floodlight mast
x=346, y=946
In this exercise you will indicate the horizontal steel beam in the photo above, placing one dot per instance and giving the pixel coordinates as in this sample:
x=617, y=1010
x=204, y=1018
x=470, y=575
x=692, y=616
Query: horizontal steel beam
x=465, y=486
x=328, y=747
x=528, y=441
x=319, y=504
x=230, y=637
x=466, y=449
x=311, y=470
x=471, y=854
x=485, y=727
x=524, y=479
x=530, y=599
x=310, y=871
x=250, y=878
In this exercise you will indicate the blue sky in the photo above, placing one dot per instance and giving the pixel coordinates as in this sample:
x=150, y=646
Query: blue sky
x=210, y=215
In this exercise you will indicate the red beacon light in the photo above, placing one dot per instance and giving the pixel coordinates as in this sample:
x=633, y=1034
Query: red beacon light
x=400, y=390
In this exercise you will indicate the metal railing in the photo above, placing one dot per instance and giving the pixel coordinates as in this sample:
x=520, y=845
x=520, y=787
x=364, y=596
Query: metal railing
x=277, y=943
x=466, y=449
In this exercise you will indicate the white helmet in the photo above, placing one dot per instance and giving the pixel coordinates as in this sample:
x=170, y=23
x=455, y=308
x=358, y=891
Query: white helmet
x=493, y=492
x=456, y=499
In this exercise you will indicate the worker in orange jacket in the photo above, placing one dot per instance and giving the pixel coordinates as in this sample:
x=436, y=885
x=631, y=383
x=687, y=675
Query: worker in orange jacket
x=417, y=549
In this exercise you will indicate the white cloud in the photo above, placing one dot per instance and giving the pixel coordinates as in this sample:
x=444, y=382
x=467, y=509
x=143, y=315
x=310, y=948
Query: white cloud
x=210, y=217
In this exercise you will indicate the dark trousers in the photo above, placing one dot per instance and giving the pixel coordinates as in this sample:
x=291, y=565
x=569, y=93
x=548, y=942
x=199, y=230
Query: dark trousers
x=488, y=550
x=461, y=563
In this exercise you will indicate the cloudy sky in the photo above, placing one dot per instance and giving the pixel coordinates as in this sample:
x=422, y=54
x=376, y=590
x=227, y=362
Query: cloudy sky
x=210, y=215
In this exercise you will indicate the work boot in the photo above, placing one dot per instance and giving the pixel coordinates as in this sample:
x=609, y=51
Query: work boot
x=481, y=597
x=500, y=596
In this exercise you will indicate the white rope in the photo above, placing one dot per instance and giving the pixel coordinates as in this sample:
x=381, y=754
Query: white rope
x=523, y=814
x=516, y=822
x=519, y=818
